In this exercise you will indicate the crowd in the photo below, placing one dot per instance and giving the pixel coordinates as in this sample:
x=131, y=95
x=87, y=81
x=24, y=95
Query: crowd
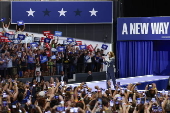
x=23, y=59
x=56, y=96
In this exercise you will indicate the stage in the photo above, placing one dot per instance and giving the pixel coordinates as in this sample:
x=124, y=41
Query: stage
x=161, y=82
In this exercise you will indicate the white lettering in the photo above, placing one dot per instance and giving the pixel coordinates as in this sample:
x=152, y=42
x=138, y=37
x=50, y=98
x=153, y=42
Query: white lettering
x=144, y=28
x=154, y=28
x=137, y=28
x=160, y=28
x=166, y=25
x=132, y=28
x=124, y=31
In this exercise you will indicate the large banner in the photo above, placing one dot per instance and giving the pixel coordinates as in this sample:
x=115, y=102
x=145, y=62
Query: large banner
x=61, y=12
x=143, y=28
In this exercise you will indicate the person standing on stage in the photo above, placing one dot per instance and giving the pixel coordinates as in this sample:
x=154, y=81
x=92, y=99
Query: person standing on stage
x=110, y=62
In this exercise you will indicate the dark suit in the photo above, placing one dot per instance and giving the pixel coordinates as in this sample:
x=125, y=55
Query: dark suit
x=65, y=79
x=35, y=78
x=89, y=78
x=110, y=74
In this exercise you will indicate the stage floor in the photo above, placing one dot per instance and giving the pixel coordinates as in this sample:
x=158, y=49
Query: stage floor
x=126, y=81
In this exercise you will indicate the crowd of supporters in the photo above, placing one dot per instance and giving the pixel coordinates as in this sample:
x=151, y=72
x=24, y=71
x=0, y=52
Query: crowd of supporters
x=56, y=96
x=23, y=59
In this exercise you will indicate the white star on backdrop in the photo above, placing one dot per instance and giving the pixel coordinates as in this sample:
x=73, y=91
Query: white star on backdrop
x=30, y=12
x=93, y=12
x=62, y=12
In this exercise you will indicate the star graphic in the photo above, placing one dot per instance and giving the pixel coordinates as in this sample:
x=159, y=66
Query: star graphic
x=46, y=12
x=93, y=12
x=30, y=12
x=77, y=12
x=62, y=12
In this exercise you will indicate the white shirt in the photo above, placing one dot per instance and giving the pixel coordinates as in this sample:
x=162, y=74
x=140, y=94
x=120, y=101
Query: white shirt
x=6, y=29
x=9, y=64
x=38, y=78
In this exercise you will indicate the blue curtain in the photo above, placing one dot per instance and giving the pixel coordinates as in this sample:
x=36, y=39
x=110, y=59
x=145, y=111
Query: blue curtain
x=134, y=58
x=161, y=58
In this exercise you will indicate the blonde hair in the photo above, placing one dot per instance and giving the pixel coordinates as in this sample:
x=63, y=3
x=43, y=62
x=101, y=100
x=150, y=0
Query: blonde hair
x=111, y=54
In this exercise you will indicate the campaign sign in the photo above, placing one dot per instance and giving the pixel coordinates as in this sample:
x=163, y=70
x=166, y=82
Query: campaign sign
x=53, y=49
x=1, y=34
x=11, y=37
x=7, y=34
x=70, y=40
x=21, y=37
x=51, y=36
x=34, y=44
x=46, y=33
x=44, y=59
x=60, y=49
x=15, y=41
x=21, y=22
x=79, y=43
x=2, y=20
x=65, y=42
x=53, y=57
x=82, y=47
x=3, y=38
x=47, y=40
x=36, y=39
x=104, y=46
x=42, y=39
x=90, y=47
x=58, y=33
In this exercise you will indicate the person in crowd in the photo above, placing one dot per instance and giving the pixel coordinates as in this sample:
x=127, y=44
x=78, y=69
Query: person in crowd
x=9, y=64
x=6, y=26
x=63, y=77
x=38, y=78
x=20, y=30
x=59, y=63
x=31, y=64
x=110, y=63
x=89, y=77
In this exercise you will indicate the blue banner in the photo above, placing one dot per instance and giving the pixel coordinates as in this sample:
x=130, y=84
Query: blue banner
x=2, y=19
x=21, y=37
x=104, y=46
x=47, y=40
x=143, y=28
x=21, y=22
x=11, y=37
x=58, y=33
x=44, y=59
x=82, y=47
x=60, y=49
x=62, y=12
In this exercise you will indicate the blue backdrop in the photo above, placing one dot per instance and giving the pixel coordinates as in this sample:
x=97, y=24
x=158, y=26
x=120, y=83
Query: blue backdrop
x=134, y=58
x=62, y=12
x=143, y=28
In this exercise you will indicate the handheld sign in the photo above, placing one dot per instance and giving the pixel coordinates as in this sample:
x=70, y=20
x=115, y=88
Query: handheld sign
x=90, y=47
x=21, y=22
x=58, y=33
x=79, y=43
x=2, y=38
x=82, y=47
x=1, y=34
x=46, y=33
x=104, y=46
x=60, y=49
x=51, y=36
x=42, y=39
x=65, y=42
x=21, y=37
x=7, y=34
x=44, y=59
x=11, y=37
x=47, y=40
x=36, y=39
x=53, y=57
x=70, y=40
x=34, y=45
x=2, y=19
